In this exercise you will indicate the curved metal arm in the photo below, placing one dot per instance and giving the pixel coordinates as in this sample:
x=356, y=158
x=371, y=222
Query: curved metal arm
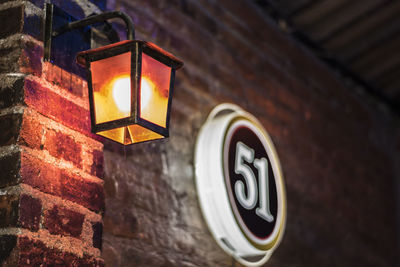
x=130, y=33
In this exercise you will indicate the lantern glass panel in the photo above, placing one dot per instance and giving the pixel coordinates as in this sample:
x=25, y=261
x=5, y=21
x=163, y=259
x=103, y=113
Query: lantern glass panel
x=117, y=134
x=130, y=134
x=112, y=88
x=154, y=90
x=140, y=134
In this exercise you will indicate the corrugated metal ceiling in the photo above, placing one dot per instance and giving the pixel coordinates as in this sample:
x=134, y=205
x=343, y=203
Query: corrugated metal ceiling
x=362, y=37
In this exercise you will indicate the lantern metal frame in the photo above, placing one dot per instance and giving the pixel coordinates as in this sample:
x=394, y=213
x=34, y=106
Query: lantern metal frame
x=136, y=47
x=50, y=33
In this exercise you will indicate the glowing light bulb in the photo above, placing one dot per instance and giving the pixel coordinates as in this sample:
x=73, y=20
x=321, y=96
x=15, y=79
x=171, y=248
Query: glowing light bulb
x=147, y=88
x=122, y=94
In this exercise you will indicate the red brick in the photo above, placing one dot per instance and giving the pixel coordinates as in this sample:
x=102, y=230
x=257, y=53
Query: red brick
x=38, y=3
x=8, y=243
x=36, y=253
x=194, y=80
x=29, y=212
x=57, y=107
x=63, y=146
x=32, y=253
x=31, y=132
x=9, y=210
x=15, y=21
x=20, y=211
x=77, y=86
x=52, y=180
x=11, y=91
x=146, y=24
x=181, y=44
x=97, y=234
x=22, y=18
x=9, y=58
x=10, y=126
x=40, y=175
x=19, y=53
x=10, y=165
x=97, y=168
x=61, y=221
x=81, y=191
x=62, y=78
x=31, y=59
x=230, y=84
x=52, y=73
x=21, y=56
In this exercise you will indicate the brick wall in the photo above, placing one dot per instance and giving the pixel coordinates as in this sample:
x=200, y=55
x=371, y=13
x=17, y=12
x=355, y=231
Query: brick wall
x=51, y=191
x=334, y=142
x=336, y=146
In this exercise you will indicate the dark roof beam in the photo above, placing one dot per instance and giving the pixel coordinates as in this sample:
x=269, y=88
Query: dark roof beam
x=306, y=19
x=357, y=31
x=355, y=20
x=303, y=7
x=375, y=56
x=372, y=39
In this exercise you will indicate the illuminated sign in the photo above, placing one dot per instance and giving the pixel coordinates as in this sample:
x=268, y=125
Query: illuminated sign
x=240, y=185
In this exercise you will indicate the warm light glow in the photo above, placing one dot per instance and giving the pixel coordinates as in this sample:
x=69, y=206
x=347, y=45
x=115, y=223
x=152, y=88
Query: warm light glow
x=112, y=88
x=155, y=82
x=147, y=88
x=153, y=104
x=122, y=93
x=130, y=85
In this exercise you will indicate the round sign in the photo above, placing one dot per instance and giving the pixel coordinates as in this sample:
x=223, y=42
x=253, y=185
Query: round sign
x=240, y=184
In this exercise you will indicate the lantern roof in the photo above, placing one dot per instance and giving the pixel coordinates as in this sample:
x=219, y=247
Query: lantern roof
x=123, y=46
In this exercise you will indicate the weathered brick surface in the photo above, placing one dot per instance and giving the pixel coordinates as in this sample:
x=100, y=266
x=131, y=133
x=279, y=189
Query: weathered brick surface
x=20, y=54
x=18, y=210
x=31, y=134
x=36, y=253
x=63, y=221
x=51, y=201
x=10, y=166
x=73, y=83
x=16, y=14
x=97, y=234
x=63, y=146
x=7, y=245
x=10, y=126
x=44, y=177
x=97, y=166
x=38, y=3
x=335, y=145
x=87, y=193
x=9, y=57
x=52, y=180
x=49, y=103
x=9, y=210
x=30, y=210
x=11, y=90
x=31, y=59
x=23, y=17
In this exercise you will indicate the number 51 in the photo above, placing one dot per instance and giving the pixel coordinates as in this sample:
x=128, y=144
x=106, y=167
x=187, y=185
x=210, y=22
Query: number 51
x=246, y=154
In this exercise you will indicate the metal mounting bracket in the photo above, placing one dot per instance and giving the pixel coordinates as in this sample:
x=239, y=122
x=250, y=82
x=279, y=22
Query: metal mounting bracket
x=65, y=36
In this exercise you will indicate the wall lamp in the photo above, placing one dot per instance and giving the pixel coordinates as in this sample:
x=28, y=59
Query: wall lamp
x=130, y=82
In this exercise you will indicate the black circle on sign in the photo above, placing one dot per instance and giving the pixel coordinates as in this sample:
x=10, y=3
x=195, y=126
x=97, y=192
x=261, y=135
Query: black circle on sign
x=258, y=226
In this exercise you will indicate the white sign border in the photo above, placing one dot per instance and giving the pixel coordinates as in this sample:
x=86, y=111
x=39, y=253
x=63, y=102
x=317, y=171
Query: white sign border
x=212, y=193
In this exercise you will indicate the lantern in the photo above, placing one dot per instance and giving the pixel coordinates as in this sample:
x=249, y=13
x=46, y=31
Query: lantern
x=130, y=90
x=130, y=82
